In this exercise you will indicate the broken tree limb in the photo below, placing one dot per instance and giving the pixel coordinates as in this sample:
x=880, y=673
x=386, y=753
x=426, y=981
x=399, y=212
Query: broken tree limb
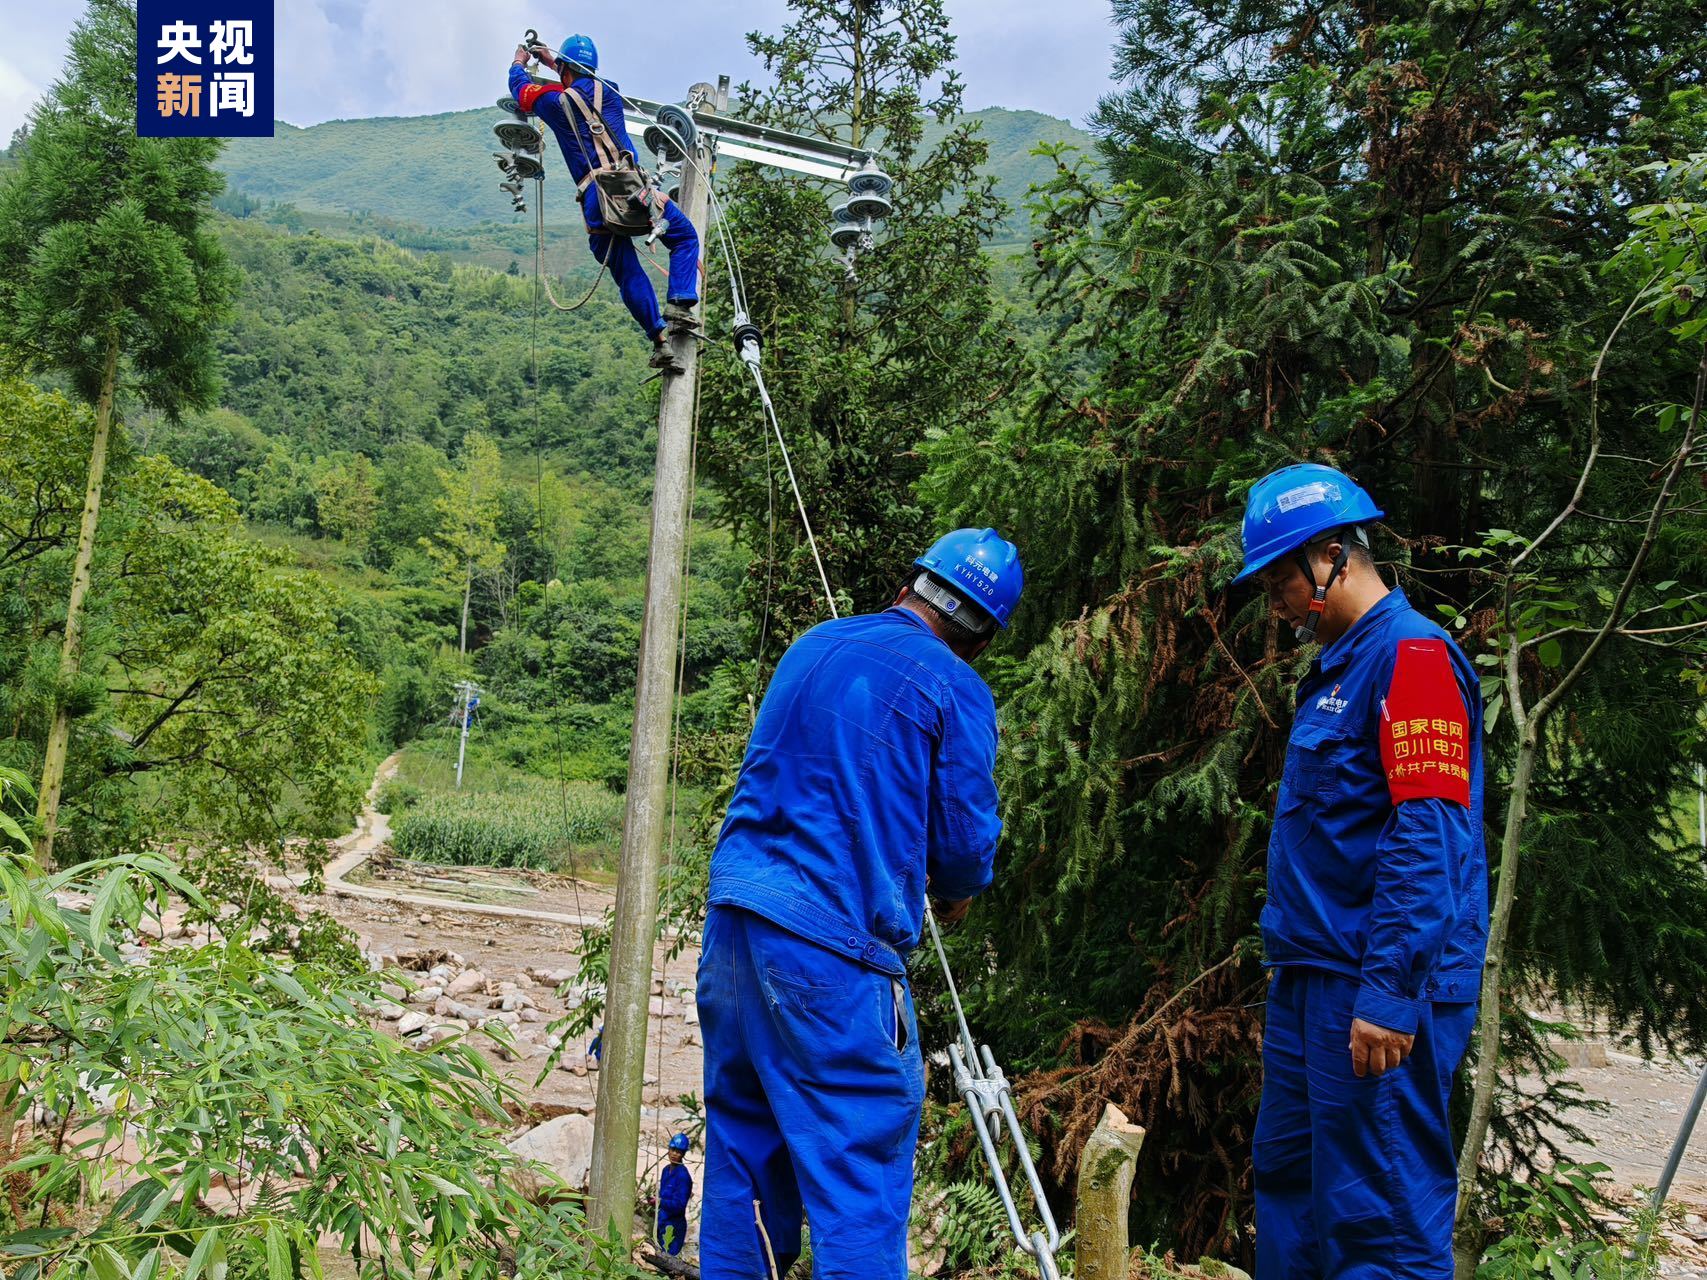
x=1104, y=1198
x=669, y=1266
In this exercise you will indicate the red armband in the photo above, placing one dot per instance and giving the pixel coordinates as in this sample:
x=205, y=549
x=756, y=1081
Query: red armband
x=1425, y=731
x=532, y=93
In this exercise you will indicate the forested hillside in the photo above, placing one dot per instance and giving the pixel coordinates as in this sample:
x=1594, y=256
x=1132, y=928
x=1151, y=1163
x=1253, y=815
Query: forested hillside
x=436, y=171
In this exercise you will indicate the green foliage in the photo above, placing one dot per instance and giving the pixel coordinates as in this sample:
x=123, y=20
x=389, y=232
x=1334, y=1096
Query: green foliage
x=218, y=694
x=864, y=369
x=1377, y=242
x=234, y=1074
x=15, y=793
x=102, y=235
x=395, y=796
x=1547, y=1228
x=447, y=201
x=973, y=1228
x=364, y=346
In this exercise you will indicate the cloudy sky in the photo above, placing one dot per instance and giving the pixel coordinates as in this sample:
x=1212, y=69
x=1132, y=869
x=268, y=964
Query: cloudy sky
x=349, y=58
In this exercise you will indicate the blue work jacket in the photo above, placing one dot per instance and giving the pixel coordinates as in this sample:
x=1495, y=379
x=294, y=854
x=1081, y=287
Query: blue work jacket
x=675, y=1189
x=574, y=139
x=870, y=773
x=1376, y=867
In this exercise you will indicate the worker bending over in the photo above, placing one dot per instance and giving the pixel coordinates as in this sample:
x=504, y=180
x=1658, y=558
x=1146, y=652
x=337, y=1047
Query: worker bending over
x=1377, y=912
x=868, y=784
x=586, y=114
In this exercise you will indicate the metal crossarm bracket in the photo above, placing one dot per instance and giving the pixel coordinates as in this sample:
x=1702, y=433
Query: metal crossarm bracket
x=739, y=140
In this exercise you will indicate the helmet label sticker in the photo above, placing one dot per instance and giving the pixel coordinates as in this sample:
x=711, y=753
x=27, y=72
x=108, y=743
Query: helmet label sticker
x=1305, y=495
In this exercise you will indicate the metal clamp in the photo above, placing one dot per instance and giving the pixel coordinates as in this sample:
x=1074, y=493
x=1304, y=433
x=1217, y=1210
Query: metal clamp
x=984, y=1088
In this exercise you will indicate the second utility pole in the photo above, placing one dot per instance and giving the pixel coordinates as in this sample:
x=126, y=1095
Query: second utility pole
x=622, y=1065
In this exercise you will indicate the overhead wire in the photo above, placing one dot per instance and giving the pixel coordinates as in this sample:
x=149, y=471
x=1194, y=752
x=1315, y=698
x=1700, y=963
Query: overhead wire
x=981, y=1082
x=540, y=281
x=978, y=1078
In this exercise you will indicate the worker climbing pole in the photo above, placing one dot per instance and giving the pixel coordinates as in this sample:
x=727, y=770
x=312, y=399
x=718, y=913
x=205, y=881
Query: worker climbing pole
x=619, y=201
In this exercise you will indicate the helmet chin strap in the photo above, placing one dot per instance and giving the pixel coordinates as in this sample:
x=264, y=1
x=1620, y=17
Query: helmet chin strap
x=1306, y=634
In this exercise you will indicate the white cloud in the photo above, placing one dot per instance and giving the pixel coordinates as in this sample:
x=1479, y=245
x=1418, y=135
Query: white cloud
x=351, y=58
x=17, y=95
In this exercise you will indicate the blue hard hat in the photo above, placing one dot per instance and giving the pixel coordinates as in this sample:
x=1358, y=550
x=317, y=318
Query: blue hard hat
x=1296, y=505
x=679, y=1142
x=980, y=564
x=580, y=51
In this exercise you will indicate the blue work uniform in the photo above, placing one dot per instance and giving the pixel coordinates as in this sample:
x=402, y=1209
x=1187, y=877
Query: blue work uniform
x=869, y=775
x=617, y=252
x=675, y=1189
x=1377, y=909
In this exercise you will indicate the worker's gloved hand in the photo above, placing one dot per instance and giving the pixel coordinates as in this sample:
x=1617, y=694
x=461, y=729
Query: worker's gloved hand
x=521, y=59
x=950, y=913
x=1375, y=1050
x=545, y=55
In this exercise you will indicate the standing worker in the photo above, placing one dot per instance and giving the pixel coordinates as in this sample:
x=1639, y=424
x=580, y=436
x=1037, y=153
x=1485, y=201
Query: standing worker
x=1377, y=911
x=586, y=114
x=675, y=1190
x=868, y=784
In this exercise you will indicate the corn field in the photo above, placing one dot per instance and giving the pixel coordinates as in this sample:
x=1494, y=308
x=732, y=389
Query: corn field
x=532, y=827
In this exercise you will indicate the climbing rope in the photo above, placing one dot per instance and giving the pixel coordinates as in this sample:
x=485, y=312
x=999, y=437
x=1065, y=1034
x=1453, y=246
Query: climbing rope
x=542, y=277
x=978, y=1079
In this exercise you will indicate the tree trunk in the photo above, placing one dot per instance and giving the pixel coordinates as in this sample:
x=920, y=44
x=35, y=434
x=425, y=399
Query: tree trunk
x=467, y=590
x=856, y=138
x=1488, y=1023
x=1104, y=1197
x=59, y=736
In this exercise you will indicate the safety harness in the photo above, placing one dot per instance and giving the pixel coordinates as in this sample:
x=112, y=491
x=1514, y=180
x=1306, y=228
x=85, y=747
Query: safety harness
x=628, y=204
x=1348, y=535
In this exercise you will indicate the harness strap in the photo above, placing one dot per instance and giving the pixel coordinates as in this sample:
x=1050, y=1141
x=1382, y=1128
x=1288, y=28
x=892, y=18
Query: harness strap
x=608, y=153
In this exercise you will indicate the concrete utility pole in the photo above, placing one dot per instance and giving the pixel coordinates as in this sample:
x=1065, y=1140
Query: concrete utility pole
x=622, y=1065
x=616, y=1139
x=468, y=698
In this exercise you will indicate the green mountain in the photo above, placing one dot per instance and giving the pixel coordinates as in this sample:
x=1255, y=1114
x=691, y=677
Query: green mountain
x=437, y=171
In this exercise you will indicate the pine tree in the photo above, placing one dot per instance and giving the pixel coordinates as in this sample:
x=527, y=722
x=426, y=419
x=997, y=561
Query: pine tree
x=862, y=369
x=1369, y=238
x=109, y=278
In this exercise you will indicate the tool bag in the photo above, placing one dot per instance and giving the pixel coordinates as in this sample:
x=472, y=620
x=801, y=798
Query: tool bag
x=626, y=199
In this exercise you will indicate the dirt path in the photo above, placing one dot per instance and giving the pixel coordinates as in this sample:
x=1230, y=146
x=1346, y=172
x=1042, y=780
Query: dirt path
x=519, y=930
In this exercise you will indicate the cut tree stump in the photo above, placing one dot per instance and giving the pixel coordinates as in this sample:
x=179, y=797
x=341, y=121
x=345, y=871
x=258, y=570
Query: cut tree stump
x=1104, y=1198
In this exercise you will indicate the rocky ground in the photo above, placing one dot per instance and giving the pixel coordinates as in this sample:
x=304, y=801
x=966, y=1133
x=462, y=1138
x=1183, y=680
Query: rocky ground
x=483, y=951
x=469, y=973
x=1645, y=1101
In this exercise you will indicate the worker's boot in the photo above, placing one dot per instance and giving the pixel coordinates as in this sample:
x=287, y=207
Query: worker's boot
x=664, y=357
x=679, y=317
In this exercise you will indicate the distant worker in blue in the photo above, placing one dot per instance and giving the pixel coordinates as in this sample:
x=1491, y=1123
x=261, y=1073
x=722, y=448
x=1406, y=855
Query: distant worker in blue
x=1377, y=913
x=586, y=114
x=675, y=1190
x=868, y=785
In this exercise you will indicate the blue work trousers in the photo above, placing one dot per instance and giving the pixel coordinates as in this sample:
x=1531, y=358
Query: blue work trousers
x=672, y=1231
x=1355, y=1178
x=622, y=260
x=812, y=1101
